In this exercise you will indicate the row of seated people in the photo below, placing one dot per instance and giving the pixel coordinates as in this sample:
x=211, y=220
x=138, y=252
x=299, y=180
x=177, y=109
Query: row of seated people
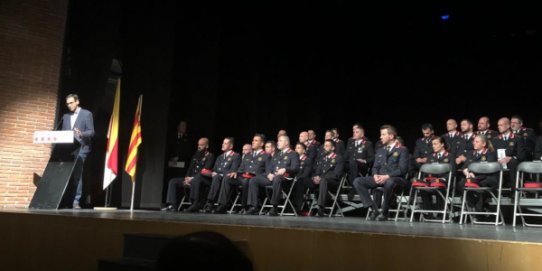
x=258, y=168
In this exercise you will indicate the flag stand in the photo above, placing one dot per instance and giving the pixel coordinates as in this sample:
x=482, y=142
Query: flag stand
x=106, y=207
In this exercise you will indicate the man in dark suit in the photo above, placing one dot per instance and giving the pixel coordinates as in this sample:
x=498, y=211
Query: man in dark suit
x=328, y=173
x=282, y=168
x=202, y=160
x=423, y=146
x=528, y=135
x=483, y=128
x=81, y=122
x=181, y=146
x=389, y=169
x=360, y=154
x=452, y=137
x=225, y=168
x=513, y=147
x=252, y=165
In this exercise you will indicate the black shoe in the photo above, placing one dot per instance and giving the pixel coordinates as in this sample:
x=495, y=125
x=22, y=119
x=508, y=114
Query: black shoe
x=208, y=208
x=321, y=212
x=252, y=211
x=382, y=217
x=168, y=208
x=374, y=214
x=273, y=212
x=194, y=208
x=243, y=211
x=221, y=209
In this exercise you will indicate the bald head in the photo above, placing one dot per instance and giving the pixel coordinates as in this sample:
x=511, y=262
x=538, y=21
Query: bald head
x=203, y=144
x=483, y=124
x=503, y=124
x=451, y=125
x=303, y=137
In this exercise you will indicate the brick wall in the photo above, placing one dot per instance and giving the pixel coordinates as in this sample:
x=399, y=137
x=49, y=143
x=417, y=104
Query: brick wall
x=31, y=40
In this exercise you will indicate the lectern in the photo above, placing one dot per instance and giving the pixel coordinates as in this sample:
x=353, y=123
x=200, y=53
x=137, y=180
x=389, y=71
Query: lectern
x=56, y=177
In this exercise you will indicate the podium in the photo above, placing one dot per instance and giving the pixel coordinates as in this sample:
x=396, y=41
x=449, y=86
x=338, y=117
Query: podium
x=58, y=173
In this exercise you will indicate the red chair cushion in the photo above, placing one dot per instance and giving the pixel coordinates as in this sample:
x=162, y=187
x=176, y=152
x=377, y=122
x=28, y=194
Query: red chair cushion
x=419, y=184
x=438, y=184
x=473, y=185
x=532, y=185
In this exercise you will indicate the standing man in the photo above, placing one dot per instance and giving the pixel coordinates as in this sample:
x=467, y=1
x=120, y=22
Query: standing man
x=181, y=151
x=390, y=167
x=81, y=122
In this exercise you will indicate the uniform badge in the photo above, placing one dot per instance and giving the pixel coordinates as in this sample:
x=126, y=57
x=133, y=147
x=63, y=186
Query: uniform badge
x=511, y=143
x=483, y=158
x=285, y=157
x=525, y=134
x=259, y=159
x=203, y=160
x=333, y=161
x=229, y=158
x=446, y=160
x=395, y=154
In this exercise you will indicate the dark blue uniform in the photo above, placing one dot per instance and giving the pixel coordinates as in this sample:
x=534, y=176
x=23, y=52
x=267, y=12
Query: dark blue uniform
x=286, y=159
x=483, y=180
x=303, y=180
x=514, y=147
x=393, y=163
x=225, y=164
x=330, y=171
x=453, y=142
x=443, y=158
x=199, y=161
x=423, y=149
x=252, y=165
x=360, y=149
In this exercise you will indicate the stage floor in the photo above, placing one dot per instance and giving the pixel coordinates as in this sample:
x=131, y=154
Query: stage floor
x=337, y=224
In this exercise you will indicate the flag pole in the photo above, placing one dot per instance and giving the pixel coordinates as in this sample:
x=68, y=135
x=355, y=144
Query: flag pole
x=133, y=194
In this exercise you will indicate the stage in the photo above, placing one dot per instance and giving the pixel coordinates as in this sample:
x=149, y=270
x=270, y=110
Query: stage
x=76, y=240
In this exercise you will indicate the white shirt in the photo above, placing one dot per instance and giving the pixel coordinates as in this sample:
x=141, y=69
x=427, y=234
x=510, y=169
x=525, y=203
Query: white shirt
x=73, y=117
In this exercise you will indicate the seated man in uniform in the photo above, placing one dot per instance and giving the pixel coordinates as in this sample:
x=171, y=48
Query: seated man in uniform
x=389, y=169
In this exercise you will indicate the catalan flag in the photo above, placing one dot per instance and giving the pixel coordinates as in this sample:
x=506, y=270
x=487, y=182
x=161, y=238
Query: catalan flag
x=135, y=141
x=111, y=168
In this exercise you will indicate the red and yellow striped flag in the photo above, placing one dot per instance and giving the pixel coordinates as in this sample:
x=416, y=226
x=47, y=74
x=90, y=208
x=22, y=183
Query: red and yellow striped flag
x=135, y=141
x=112, y=153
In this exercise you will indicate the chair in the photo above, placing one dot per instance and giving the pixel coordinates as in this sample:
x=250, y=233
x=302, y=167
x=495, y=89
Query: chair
x=236, y=200
x=523, y=187
x=483, y=168
x=185, y=200
x=334, y=196
x=437, y=186
x=286, y=196
x=401, y=198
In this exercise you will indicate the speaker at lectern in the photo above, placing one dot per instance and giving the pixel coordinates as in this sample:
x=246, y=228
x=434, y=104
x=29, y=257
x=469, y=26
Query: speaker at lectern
x=57, y=175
